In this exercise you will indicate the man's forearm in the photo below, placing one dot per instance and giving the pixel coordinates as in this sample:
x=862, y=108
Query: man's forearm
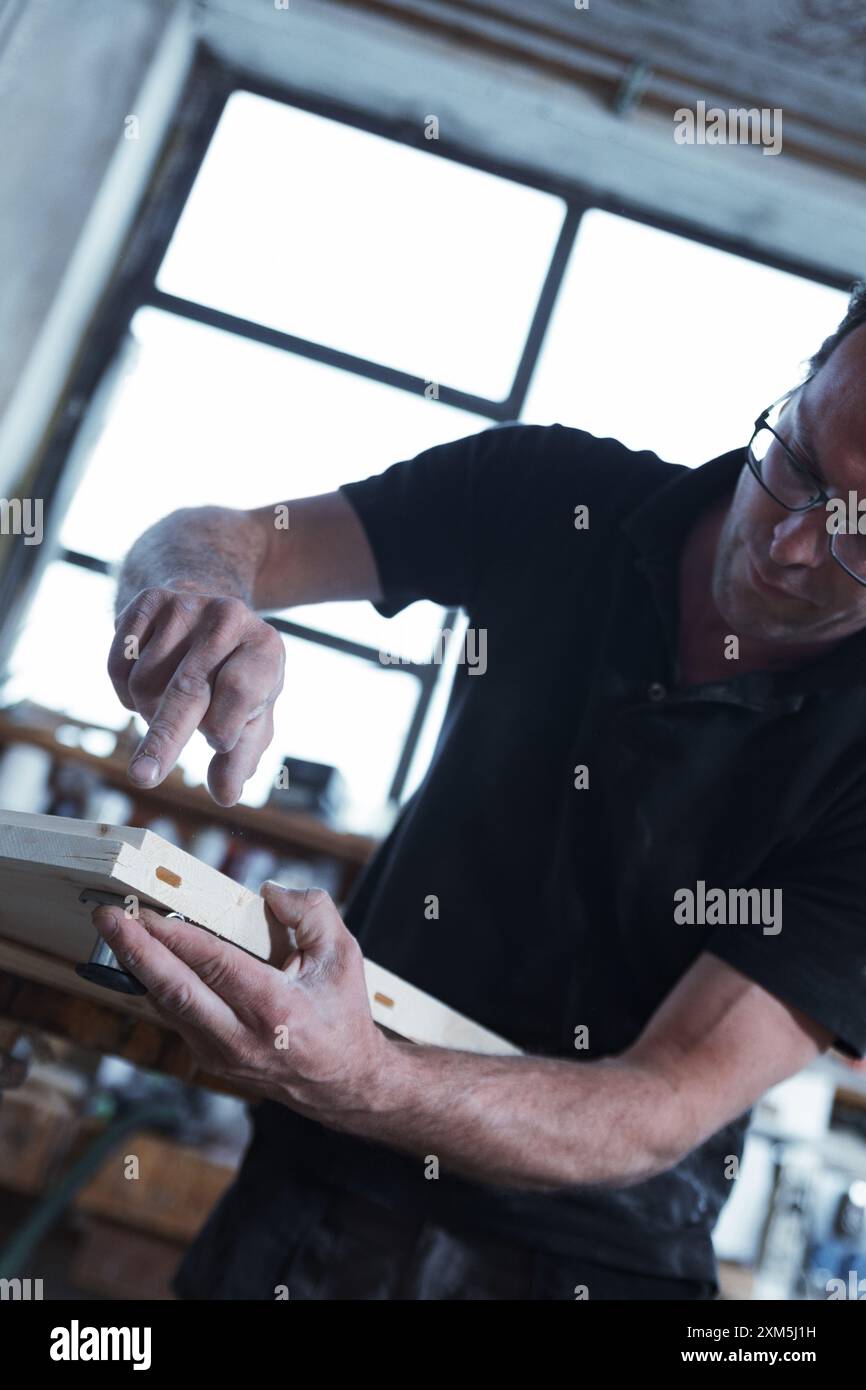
x=524, y=1122
x=215, y=550
x=322, y=555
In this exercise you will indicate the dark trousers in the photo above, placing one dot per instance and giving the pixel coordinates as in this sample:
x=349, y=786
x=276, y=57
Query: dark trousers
x=320, y=1243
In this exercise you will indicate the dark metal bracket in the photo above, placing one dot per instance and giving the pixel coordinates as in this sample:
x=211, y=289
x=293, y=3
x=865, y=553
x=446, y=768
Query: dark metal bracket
x=103, y=967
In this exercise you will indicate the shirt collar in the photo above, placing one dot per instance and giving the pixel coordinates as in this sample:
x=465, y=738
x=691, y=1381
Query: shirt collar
x=659, y=524
x=657, y=528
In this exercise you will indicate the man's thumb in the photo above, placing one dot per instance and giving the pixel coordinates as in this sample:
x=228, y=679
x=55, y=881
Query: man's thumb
x=309, y=912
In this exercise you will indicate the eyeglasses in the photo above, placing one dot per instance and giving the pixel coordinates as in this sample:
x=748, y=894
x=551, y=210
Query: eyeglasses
x=794, y=486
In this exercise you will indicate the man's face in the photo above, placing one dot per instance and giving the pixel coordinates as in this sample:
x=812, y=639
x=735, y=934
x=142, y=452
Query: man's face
x=774, y=578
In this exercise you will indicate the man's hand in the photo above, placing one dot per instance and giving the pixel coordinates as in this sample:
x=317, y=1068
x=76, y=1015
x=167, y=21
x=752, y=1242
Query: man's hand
x=301, y=1034
x=186, y=661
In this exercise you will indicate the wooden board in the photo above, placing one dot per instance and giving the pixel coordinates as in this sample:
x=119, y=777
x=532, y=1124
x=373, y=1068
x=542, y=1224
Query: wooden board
x=45, y=862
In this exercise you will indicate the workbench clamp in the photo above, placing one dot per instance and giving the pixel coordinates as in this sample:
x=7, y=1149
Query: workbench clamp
x=103, y=967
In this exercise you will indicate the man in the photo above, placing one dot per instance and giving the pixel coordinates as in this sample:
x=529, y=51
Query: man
x=644, y=825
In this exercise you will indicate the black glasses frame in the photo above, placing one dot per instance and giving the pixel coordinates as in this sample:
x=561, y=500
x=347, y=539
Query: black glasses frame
x=821, y=498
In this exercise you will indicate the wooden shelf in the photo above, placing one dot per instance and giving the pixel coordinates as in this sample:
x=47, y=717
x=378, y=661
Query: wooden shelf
x=42, y=992
x=286, y=830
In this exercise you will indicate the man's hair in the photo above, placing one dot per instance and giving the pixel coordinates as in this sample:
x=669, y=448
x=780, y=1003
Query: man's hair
x=854, y=317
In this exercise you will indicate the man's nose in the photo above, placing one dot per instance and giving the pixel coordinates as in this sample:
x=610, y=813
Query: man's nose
x=801, y=538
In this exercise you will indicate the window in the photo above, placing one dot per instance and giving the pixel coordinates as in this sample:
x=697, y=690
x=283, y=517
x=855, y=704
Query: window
x=364, y=245
x=315, y=286
x=671, y=345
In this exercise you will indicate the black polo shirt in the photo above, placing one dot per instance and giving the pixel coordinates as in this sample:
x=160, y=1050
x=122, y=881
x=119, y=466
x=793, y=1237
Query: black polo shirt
x=556, y=905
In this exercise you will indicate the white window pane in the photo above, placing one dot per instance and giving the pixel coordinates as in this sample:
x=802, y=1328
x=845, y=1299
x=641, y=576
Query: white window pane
x=365, y=245
x=334, y=709
x=60, y=658
x=412, y=635
x=673, y=346
x=436, y=710
x=203, y=417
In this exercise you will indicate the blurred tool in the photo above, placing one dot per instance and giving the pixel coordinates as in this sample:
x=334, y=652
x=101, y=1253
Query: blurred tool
x=302, y=785
x=16, y=1055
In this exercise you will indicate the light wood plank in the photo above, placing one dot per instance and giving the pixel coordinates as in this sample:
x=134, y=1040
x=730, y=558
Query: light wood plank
x=45, y=862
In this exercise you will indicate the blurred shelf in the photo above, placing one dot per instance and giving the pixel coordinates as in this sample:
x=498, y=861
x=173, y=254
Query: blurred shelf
x=292, y=830
x=44, y=993
x=175, y=1190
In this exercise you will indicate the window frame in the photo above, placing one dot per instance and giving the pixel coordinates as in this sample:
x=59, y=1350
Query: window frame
x=133, y=286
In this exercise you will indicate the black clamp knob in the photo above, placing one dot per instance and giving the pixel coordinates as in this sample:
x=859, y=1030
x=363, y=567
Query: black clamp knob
x=103, y=967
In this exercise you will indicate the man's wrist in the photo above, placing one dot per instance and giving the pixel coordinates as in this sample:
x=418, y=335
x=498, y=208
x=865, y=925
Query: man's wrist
x=384, y=1093
x=208, y=588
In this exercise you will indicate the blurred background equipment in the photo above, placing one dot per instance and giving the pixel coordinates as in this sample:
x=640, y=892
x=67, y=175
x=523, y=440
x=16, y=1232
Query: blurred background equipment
x=302, y=785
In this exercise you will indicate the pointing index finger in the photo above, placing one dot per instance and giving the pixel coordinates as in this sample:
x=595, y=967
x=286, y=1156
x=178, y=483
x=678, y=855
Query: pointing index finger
x=183, y=706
